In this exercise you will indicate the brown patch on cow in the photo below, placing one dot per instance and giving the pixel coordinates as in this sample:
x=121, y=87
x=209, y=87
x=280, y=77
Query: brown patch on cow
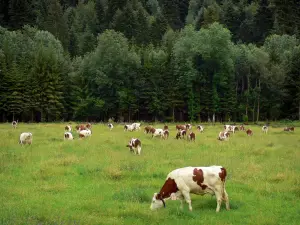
x=77, y=127
x=89, y=126
x=227, y=134
x=192, y=136
x=147, y=129
x=137, y=143
x=166, y=127
x=249, y=132
x=183, y=133
x=187, y=126
x=152, y=130
x=223, y=174
x=167, y=189
x=180, y=127
x=66, y=135
x=81, y=135
x=292, y=129
x=66, y=128
x=199, y=178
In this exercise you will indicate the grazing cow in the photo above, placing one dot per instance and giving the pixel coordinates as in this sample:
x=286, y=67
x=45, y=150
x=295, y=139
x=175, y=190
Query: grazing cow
x=85, y=133
x=14, y=124
x=200, y=128
x=147, y=129
x=137, y=126
x=135, y=146
x=289, y=129
x=181, y=134
x=249, y=132
x=88, y=126
x=180, y=127
x=265, y=129
x=68, y=136
x=25, y=138
x=188, y=126
x=231, y=128
x=68, y=128
x=110, y=126
x=242, y=127
x=223, y=135
x=129, y=128
x=157, y=132
x=166, y=127
x=166, y=134
x=197, y=180
x=192, y=136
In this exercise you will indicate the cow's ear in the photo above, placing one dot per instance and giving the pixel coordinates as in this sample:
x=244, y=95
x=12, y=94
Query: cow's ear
x=155, y=194
x=173, y=196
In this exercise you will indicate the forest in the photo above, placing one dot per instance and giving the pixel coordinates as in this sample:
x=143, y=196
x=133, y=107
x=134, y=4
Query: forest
x=149, y=60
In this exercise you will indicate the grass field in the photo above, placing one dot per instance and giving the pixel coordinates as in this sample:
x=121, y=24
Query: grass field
x=98, y=181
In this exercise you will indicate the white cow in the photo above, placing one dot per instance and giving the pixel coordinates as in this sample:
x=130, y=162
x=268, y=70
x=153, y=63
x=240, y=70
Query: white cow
x=137, y=126
x=110, y=126
x=129, y=128
x=14, y=124
x=200, y=128
x=265, y=129
x=25, y=138
x=85, y=133
x=197, y=180
x=68, y=136
x=157, y=132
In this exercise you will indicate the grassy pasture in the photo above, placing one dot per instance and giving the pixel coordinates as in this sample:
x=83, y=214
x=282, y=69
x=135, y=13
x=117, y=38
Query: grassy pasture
x=98, y=181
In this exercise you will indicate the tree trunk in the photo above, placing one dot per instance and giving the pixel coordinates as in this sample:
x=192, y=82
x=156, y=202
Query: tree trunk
x=299, y=110
x=173, y=114
x=258, y=99
x=213, y=119
x=247, y=99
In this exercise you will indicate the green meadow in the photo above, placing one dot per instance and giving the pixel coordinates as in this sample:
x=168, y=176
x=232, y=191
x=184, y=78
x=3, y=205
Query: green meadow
x=97, y=180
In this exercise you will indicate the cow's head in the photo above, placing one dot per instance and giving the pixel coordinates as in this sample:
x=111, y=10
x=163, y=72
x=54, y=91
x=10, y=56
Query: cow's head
x=157, y=202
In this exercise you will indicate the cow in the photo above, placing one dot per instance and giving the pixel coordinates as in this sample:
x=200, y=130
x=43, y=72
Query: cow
x=88, y=126
x=147, y=129
x=129, y=128
x=180, y=127
x=196, y=180
x=223, y=135
x=181, y=134
x=135, y=146
x=25, y=138
x=68, y=128
x=68, y=136
x=242, y=128
x=192, y=136
x=166, y=127
x=137, y=126
x=289, y=129
x=80, y=128
x=157, y=132
x=249, y=132
x=265, y=129
x=166, y=134
x=200, y=128
x=188, y=126
x=110, y=126
x=85, y=133
x=14, y=124
x=231, y=128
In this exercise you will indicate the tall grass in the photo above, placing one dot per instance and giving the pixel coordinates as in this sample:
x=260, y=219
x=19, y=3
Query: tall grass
x=99, y=181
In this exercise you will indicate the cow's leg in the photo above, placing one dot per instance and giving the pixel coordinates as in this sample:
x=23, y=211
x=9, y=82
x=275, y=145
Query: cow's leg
x=219, y=199
x=226, y=198
x=187, y=198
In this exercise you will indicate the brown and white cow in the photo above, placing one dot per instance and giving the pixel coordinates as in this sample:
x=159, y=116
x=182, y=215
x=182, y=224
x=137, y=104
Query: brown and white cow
x=223, y=135
x=289, y=129
x=135, y=146
x=200, y=128
x=166, y=134
x=68, y=136
x=157, y=132
x=85, y=133
x=180, y=127
x=110, y=126
x=166, y=127
x=191, y=136
x=242, y=128
x=147, y=129
x=196, y=180
x=231, y=128
x=188, y=126
x=68, y=128
x=14, y=124
x=129, y=127
x=181, y=134
x=249, y=132
x=137, y=126
x=80, y=128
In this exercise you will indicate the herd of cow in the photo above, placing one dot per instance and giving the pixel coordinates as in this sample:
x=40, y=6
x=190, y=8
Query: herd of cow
x=180, y=182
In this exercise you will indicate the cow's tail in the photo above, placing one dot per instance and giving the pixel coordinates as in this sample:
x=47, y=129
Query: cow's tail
x=223, y=175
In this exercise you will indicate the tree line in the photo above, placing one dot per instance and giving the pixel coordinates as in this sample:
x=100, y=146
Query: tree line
x=168, y=60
